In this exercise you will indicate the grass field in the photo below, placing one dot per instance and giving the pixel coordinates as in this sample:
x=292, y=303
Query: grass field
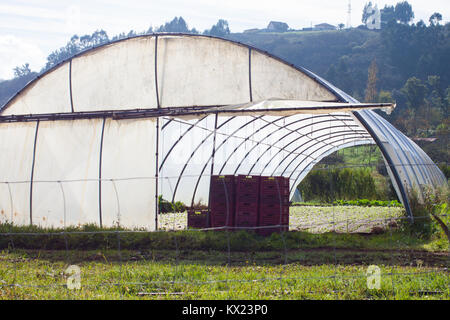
x=303, y=263
x=214, y=275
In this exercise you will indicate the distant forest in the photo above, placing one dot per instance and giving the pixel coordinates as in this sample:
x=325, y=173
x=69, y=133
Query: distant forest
x=407, y=63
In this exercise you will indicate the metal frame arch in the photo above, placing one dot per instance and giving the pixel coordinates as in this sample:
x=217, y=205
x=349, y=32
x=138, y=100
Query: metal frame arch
x=289, y=133
x=377, y=125
x=310, y=166
x=179, y=139
x=401, y=142
x=259, y=142
x=344, y=118
x=322, y=141
x=317, y=149
x=201, y=143
x=390, y=163
x=294, y=140
x=337, y=134
x=270, y=134
x=235, y=149
x=223, y=143
x=407, y=143
x=351, y=138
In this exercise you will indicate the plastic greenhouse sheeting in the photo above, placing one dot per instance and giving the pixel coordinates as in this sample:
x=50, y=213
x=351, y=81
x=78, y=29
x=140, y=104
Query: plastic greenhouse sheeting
x=99, y=137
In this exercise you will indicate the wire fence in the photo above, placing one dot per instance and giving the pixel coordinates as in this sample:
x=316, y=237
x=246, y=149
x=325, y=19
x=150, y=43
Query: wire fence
x=324, y=252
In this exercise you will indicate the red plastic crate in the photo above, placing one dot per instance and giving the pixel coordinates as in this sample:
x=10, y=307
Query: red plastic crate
x=274, y=181
x=246, y=196
x=222, y=200
x=247, y=204
x=272, y=189
x=248, y=180
x=246, y=213
x=247, y=184
x=222, y=205
x=223, y=209
x=265, y=206
x=274, y=192
x=223, y=178
x=220, y=195
x=198, y=219
x=274, y=200
x=220, y=221
x=222, y=218
x=246, y=222
x=222, y=187
x=273, y=220
x=273, y=208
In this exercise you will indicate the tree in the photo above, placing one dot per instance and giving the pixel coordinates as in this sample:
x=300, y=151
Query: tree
x=340, y=75
x=435, y=18
x=415, y=92
x=404, y=12
x=176, y=25
x=22, y=71
x=385, y=97
x=366, y=13
x=371, y=90
x=76, y=45
x=341, y=26
x=447, y=96
x=194, y=31
x=220, y=29
x=387, y=14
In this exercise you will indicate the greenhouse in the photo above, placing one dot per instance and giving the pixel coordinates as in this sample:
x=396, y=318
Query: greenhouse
x=100, y=137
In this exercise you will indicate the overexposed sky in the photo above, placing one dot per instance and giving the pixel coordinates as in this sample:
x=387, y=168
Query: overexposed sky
x=31, y=29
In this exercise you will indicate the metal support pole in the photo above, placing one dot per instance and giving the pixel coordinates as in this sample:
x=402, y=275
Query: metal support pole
x=212, y=162
x=100, y=175
x=32, y=172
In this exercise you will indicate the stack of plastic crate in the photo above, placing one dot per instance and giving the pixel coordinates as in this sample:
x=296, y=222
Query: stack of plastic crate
x=222, y=201
x=247, y=201
x=198, y=219
x=273, y=205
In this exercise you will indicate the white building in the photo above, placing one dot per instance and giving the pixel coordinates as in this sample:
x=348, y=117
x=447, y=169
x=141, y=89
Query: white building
x=374, y=17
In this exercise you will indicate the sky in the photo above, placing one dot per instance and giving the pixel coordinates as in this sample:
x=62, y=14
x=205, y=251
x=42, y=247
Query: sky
x=31, y=29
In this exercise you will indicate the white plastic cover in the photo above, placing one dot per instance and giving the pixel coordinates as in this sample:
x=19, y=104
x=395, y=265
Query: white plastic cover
x=115, y=77
x=66, y=185
x=274, y=79
x=16, y=158
x=128, y=173
x=50, y=94
x=199, y=71
x=191, y=71
x=66, y=151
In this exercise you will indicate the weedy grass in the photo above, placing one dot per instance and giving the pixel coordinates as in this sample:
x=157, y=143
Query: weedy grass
x=213, y=275
x=190, y=264
x=217, y=240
